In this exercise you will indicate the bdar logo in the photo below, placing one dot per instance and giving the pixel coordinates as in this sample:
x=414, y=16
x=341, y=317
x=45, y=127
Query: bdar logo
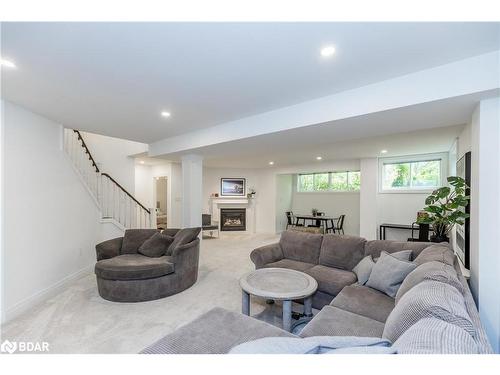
x=8, y=347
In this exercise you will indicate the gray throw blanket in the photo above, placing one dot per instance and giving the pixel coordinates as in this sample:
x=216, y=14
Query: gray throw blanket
x=316, y=345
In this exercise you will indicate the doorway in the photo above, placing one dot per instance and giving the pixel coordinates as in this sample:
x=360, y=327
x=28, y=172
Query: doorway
x=161, y=202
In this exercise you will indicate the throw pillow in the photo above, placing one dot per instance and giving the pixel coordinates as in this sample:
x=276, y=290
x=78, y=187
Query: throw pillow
x=156, y=246
x=441, y=253
x=388, y=274
x=429, y=299
x=182, y=237
x=363, y=269
x=435, y=271
x=401, y=255
x=134, y=238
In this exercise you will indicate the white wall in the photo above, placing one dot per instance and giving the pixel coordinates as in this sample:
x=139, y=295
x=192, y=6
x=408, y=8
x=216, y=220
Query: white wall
x=284, y=199
x=332, y=204
x=113, y=156
x=144, y=185
x=51, y=224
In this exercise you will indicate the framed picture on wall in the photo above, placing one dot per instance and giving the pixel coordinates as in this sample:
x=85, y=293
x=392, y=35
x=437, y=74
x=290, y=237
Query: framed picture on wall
x=233, y=187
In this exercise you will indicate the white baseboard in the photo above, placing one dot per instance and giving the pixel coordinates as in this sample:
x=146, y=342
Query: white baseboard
x=44, y=294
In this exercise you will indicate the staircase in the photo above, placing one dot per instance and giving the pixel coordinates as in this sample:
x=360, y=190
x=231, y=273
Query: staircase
x=115, y=203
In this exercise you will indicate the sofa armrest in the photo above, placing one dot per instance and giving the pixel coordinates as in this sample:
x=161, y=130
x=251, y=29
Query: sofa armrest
x=109, y=249
x=215, y=332
x=266, y=254
x=186, y=256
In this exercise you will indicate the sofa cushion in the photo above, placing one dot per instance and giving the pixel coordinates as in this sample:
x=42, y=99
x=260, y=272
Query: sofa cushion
x=133, y=267
x=182, y=237
x=214, y=332
x=332, y=321
x=301, y=246
x=290, y=264
x=363, y=269
x=331, y=280
x=134, y=238
x=375, y=247
x=342, y=252
x=433, y=270
x=435, y=336
x=388, y=273
x=429, y=299
x=364, y=301
x=156, y=245
x=440, y=253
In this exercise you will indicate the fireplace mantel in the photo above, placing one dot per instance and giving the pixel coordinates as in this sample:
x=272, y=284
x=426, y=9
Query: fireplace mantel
x=216, y=203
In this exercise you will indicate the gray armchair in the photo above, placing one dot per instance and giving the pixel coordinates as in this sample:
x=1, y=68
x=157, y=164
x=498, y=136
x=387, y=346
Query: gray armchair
x=125, y=275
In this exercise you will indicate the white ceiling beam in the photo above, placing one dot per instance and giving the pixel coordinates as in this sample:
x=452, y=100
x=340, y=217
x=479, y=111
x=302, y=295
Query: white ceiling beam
x=472, y=75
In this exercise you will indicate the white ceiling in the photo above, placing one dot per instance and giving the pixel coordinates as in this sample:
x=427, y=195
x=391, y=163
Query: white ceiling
x=115, y=78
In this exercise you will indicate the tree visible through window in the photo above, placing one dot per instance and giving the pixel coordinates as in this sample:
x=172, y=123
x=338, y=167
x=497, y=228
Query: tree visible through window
x=329, y=181
x=411, y=175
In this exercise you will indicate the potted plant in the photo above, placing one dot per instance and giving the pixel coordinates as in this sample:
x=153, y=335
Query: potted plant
x=445, y=208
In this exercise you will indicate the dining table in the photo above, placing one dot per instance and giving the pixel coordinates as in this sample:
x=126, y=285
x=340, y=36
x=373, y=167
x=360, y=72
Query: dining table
x=323, y=220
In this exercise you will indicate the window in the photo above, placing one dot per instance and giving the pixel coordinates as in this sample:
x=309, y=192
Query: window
x=329, y=181
x=416, y=173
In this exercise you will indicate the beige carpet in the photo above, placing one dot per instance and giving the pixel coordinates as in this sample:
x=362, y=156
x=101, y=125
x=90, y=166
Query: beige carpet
x=79, y=321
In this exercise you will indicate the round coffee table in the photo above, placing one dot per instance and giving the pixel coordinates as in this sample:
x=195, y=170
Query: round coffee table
x=279, y=284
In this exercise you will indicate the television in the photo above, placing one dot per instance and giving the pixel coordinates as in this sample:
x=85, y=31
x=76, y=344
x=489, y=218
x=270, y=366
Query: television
x=462, y=232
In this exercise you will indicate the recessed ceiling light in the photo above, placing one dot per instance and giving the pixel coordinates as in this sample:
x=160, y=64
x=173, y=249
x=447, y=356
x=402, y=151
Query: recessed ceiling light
x=383, y=152
x=165, y=114
x=271, y=163
x=318, y=158
x=142, y=162
x=327, y=51
x=7, y=63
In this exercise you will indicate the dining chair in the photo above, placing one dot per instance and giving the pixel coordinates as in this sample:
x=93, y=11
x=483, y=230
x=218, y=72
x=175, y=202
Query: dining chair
x=339, y=227
x=289, y=219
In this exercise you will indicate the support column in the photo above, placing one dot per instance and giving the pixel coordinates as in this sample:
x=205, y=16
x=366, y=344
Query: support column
x=192, y=180
x=368, y=199
x=485, y=215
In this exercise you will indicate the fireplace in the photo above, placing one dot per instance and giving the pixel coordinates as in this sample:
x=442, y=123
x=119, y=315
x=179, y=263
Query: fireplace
x=233, y=219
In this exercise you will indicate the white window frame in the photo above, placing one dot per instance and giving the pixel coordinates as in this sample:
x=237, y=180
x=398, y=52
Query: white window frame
x=330, y=191
x=443, y=168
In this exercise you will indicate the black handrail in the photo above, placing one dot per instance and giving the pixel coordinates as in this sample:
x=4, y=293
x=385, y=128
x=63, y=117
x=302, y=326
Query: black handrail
x=125, y=191
x=84, y=145
x=94, y=164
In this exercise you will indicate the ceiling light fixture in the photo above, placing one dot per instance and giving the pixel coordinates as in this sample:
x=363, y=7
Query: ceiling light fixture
x=383, y=152
x=318, y=158
x=142, y=161
x=7, y=63
x=327, y=51
x=271, y=163
x=165, y=114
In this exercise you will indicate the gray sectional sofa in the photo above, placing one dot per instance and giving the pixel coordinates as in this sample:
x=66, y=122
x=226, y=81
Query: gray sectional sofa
x=432, y=312
x=126, y=271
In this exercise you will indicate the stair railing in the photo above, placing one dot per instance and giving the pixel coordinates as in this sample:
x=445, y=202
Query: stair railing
x=114, y=201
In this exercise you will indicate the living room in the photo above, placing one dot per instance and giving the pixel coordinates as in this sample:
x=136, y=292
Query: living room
x=191, y=198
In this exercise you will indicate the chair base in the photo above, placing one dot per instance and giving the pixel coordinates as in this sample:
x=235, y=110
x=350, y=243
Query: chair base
x=145, y=289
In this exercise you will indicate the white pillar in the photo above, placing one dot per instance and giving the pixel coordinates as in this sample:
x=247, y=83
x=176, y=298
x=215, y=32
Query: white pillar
x=192, y=180
x=368, y=199
x=485, y=215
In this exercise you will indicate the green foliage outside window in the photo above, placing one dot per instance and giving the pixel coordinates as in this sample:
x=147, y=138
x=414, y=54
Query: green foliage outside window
x=329, y=181
x=416, y=175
